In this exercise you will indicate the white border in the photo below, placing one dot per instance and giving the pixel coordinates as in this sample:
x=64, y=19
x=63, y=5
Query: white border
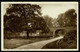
x=36, y=49
x=37, y=2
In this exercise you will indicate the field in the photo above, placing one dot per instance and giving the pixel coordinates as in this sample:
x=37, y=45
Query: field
x=13, y=43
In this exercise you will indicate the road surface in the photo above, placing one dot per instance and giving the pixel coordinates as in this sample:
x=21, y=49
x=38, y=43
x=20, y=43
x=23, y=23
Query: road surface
x=38, y=45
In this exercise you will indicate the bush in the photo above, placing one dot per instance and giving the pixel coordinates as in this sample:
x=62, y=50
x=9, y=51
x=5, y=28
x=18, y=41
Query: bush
x=68, y=42
x=72, y=35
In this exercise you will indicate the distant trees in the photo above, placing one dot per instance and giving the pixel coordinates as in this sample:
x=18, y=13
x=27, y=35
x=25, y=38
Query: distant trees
x=48, y=21
x=55, y=23
x=21, y=17
x=69, y=18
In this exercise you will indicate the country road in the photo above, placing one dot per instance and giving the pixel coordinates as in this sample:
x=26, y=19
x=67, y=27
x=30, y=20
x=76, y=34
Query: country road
x=38, y=45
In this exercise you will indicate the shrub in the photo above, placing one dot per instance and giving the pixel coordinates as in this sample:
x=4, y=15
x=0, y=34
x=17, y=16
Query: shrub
x=72, y=35
x=68, y=42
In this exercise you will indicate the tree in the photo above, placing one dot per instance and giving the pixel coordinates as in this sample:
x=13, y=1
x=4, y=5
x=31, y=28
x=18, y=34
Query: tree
x=60, y=20
x=21, y=17
x=48, y=21
x=55, y=23
x=69, y=18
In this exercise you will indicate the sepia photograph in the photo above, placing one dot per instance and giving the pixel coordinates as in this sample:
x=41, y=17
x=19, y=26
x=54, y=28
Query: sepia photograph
x=39, y=26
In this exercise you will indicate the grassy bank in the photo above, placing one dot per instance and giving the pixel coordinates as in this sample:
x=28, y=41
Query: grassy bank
x=13, y=43
x=68, y=42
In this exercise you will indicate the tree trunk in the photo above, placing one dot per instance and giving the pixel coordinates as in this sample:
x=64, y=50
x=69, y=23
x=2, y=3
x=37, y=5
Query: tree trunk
x=27, y=35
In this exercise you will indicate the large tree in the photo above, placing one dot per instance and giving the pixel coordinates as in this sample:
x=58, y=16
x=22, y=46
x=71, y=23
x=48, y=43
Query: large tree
x=69, y=18
x=21, y=17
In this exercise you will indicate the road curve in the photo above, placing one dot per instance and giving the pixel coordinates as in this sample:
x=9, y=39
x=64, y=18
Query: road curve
x=38, y=45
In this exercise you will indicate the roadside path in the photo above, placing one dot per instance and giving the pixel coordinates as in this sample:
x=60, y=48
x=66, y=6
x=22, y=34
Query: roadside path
x=38, y=45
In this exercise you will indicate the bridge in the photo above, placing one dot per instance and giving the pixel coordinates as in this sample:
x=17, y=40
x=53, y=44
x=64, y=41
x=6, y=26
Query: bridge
x=61, y=30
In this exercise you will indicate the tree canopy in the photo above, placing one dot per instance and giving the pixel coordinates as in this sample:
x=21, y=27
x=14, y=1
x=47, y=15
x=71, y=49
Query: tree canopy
x=48, y=21
x=69, y=18
x=18, y=16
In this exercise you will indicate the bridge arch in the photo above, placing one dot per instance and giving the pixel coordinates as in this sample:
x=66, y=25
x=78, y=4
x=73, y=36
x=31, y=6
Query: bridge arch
x=60, y=32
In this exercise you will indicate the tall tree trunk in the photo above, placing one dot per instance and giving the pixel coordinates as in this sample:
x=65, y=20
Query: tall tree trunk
x=27, y=34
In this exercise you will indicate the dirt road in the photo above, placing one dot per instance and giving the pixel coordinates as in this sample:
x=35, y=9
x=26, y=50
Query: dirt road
x=38, y=45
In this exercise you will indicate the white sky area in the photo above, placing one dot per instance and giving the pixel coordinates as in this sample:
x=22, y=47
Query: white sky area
x=54, y=10
x=51, y=9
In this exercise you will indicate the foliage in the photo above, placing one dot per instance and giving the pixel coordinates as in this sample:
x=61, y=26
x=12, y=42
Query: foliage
x=68, y=42
x=72, y=35
x=55, y=23
x=18, y=16
x=69, y=18
x=48, y=21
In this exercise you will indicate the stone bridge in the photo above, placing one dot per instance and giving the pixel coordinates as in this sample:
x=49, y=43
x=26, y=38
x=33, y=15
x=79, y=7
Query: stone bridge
x=58, y=31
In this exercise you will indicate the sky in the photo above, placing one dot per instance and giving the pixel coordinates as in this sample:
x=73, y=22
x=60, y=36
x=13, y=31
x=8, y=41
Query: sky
x=55, y=9
x=51, y=9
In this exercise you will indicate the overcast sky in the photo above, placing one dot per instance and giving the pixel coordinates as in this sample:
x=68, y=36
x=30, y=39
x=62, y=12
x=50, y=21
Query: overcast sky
x=55, y=9
x=51, y=9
